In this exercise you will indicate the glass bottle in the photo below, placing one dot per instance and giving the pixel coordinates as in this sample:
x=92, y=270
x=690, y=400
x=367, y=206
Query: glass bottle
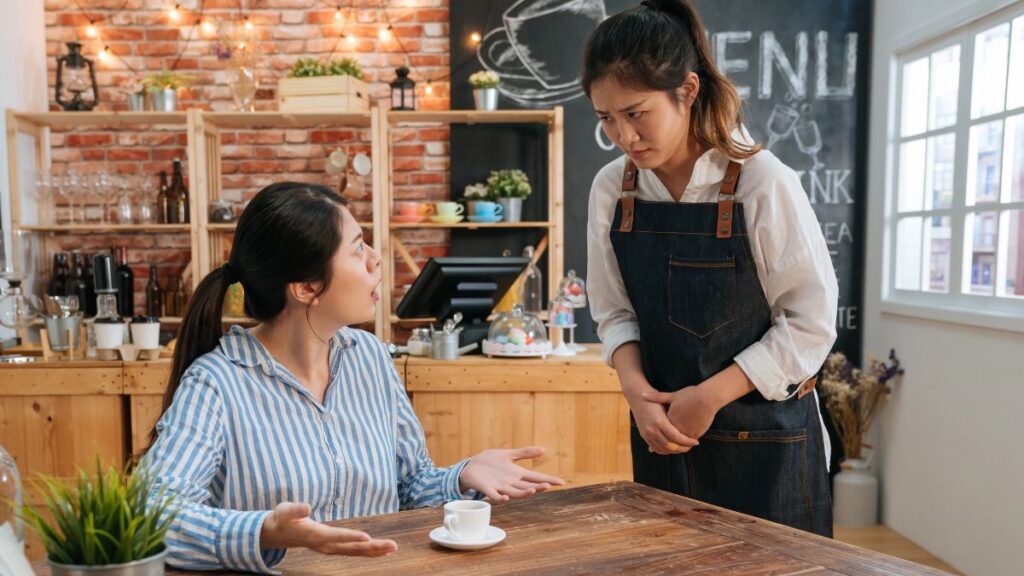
x=75, y=285
x=59, y=279
x=162, y=210
x=178, y=195
x=125, y=285
x=533, y=285
x=154, y=295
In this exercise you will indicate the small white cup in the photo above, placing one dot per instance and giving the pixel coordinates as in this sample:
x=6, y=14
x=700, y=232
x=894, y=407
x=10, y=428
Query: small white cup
x=109, y=335
x=467, y=520
x=146, y=335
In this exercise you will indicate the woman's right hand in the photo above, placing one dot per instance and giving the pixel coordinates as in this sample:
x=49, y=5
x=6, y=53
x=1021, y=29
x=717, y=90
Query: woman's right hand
x=655, y=428
x=289, y=526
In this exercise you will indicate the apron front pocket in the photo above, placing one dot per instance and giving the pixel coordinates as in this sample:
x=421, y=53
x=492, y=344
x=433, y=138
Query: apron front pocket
x=763, y=473
x=701, y=294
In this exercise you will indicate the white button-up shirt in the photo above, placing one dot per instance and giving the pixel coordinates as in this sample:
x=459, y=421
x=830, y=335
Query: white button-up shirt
x=790, y=254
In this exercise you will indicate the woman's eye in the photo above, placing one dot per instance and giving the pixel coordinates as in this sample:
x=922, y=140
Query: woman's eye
x=604, y=119
x=635, y=115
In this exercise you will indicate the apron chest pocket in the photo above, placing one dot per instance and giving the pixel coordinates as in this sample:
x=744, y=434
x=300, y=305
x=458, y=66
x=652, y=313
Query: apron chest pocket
x=701, y=294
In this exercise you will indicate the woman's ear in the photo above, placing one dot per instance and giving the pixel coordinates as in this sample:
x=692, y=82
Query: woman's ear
x=304, y=293
x=690, y=89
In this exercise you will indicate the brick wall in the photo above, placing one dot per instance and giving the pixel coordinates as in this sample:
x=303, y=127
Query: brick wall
x=143, y=36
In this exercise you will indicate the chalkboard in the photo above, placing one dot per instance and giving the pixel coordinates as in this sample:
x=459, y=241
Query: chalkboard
x=801, y=66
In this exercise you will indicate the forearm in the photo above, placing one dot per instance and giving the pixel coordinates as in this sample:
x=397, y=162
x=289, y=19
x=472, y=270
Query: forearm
x=629, y=367
x=726, y=386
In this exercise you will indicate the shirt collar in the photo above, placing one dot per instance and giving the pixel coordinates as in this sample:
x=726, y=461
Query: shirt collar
x=245, y=349
x=707, y=171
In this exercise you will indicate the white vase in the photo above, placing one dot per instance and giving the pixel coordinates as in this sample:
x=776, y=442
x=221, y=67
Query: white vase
x=855, y=495
x=485, y=98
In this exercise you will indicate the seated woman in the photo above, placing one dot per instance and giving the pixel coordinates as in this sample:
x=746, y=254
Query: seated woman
x=266, y=433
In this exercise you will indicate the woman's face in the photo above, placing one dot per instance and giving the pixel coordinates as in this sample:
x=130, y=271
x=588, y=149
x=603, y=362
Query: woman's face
x=352, y=295
x=649, y=126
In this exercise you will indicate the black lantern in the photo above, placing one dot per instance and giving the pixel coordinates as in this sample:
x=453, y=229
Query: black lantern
x=75, y=76
x=403, y=90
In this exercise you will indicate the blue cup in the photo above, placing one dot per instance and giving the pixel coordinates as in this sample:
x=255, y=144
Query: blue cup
x=488, y=209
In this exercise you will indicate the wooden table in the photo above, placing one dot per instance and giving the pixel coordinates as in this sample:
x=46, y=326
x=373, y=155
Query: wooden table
x=611, y=528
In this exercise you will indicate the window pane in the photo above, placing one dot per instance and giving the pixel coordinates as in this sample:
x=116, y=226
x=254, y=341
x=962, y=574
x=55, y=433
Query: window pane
x=1012, y=253
x=937, y=238
x=1015, y=91
x=945, y=86
x=980, y=252
x=939, y=181
x=908, y=254
x=991, y=49
x=984, y=163
x=1013, y=157
x=915, y=98
x=911, y=192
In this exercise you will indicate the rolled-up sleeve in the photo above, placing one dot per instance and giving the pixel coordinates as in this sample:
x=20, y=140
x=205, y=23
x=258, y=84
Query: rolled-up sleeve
x=799, y=282
x=609, y=303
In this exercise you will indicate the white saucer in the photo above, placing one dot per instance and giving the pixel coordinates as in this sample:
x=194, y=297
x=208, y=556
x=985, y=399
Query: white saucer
x=441, y=536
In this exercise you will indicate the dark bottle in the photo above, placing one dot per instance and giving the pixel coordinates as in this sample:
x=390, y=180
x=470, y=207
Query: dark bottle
x=179, y=298
x=177, y=195
x=154, y=295
x=162, y=211
x=125, y=285
x=75, y=285
x=90, y=290
x=59, y=279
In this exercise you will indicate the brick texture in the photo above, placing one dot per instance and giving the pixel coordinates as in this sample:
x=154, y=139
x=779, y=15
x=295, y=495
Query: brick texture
x=145, y=38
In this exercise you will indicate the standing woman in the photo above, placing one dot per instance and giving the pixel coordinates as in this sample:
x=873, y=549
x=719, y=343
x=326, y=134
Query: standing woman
x=266, y=433
x=708, y=276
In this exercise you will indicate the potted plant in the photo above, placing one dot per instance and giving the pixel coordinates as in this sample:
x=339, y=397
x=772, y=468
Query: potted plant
x=474, y=193
x=109, y=525
x=163, y=88
x=135, y=92
x=509, y=188
x=852, y=397
x=485, y=89
x=335, y=86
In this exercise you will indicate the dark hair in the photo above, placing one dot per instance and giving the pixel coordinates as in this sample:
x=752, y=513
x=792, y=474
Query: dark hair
x=654, y=46
x=288, y=233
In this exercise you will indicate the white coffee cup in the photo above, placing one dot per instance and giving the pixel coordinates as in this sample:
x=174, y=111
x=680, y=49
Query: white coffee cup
x=467, y=520
x=109, y=335
x=146, y=335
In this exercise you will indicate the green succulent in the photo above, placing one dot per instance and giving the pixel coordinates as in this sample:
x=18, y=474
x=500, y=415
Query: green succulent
x=508, y=184
x=311, y=67
x=114, y=518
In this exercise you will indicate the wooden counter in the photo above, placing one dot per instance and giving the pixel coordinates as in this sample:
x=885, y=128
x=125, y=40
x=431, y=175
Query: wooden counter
x=56, y=417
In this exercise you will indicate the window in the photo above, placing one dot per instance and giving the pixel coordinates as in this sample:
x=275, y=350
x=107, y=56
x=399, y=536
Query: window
x=955, y=222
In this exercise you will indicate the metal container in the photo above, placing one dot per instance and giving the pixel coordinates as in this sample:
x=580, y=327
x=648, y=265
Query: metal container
x=444, y=345
x=165, y=100
x=485, y=98
x=137, y=102
x=152, y=566
x=57, y=331
x=512, y=209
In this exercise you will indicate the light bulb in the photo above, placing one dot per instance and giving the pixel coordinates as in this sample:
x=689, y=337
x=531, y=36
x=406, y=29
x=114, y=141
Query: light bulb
x=90, y=30
x=208, y=27
x=474, y=37
x=248, y=24
x=350, y=39
x=385, y=33
x=337, y=13
x=429, y=89
x=175, y=13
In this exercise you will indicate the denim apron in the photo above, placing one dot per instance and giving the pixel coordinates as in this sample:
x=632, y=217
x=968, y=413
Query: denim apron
x=690, y=275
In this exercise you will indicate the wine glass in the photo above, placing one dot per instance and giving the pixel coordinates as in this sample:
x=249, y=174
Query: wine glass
x=66, y=188
x=808, y=137
x=125, y=203
x=780, y=123
x=43, y=193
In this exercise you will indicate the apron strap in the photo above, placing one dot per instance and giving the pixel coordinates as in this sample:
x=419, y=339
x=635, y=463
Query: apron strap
x=726, y=199
x=629, y=193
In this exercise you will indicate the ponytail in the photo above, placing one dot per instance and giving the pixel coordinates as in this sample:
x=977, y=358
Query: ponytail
x=654, y=46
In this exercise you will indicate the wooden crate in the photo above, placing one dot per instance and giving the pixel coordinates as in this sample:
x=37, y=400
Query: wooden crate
x=336, y=94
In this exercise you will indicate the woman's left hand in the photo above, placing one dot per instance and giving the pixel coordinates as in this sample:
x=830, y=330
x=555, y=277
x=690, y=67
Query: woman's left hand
x=691, y=409
x=496, y=474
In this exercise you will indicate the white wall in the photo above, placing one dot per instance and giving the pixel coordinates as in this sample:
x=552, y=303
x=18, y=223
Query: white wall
x=952, y=458
x=22, y=85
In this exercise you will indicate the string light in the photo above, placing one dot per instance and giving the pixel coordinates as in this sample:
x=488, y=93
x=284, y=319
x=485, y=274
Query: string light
x=175, y=12
x=385, y=33
x=90, y=30
x=337, y=13
x=104, y=54
x=429, y=89
x=474, y=37
x=351, y=40
x=208, y=27
x=248, y=24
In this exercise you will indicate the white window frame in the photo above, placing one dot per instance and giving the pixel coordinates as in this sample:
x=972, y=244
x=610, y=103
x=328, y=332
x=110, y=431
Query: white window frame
x=988, y=311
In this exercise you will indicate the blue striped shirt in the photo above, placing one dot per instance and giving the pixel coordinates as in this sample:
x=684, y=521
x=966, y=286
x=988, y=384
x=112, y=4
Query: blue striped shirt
x=243, y=435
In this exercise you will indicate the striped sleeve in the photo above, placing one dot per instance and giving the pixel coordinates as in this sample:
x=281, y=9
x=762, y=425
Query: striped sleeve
x=420, y=483
x=183, y=460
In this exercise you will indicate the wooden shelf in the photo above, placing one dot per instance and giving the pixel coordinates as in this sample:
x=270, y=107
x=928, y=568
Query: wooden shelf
x=241, y=320
x=252, y=120
x=473, y=117
x=110, y=228
x=473, y=225
x=70, y=119
x=230, y=228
